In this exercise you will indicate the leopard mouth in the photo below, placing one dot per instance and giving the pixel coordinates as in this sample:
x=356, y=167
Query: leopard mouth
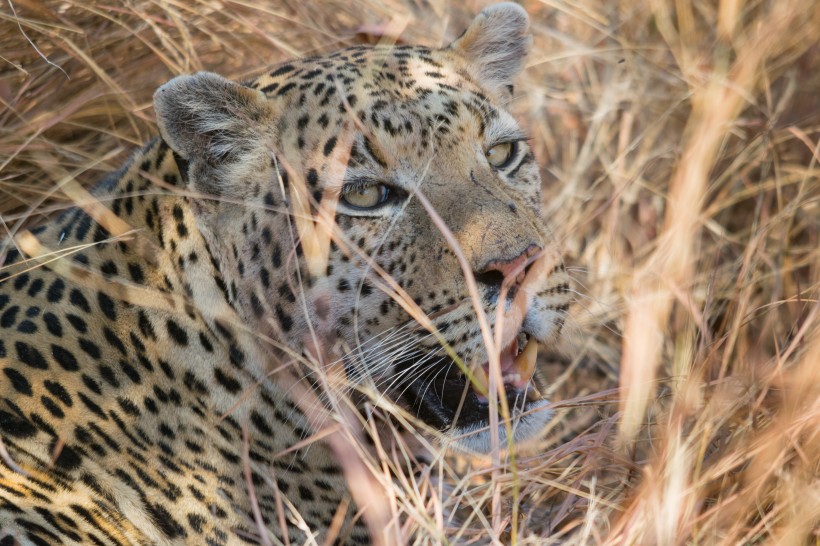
x=517, y=363
x=446, y=398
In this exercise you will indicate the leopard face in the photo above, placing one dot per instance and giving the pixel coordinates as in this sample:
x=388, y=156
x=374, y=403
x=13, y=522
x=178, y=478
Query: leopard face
x=386, y=198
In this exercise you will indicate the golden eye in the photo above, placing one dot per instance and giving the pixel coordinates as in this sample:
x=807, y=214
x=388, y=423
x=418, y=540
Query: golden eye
x=500, y=155
x=367, y=196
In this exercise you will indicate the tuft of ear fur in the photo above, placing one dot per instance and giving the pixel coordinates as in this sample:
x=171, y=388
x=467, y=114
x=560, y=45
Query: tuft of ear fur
x=206, y=118
x=496, y=44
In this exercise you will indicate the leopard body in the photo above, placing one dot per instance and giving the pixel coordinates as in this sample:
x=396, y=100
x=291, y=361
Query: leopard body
x=151, y=338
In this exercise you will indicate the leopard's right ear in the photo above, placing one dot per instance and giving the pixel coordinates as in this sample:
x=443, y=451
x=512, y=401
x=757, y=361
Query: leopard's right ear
x=496, y=45
x=214, y=122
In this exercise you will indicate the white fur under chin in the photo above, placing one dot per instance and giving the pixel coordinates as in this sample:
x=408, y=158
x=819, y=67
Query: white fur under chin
x=476, y=439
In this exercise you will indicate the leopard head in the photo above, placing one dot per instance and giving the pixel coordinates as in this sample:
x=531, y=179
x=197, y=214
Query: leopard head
x=385, y=197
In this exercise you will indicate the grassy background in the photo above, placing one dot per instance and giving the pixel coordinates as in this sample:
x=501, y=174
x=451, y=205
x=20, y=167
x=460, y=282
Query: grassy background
x=679, y=142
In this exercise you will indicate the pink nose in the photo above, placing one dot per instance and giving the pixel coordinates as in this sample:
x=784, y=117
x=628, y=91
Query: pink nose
x=513, y=271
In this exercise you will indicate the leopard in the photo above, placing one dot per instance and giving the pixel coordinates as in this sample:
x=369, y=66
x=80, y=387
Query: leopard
x=374, y=212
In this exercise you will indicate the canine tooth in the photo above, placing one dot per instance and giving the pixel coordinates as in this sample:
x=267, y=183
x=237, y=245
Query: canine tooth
x=524, y=363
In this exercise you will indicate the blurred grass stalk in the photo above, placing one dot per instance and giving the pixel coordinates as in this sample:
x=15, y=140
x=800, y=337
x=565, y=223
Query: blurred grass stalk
x=718, y=95
x=669, y=505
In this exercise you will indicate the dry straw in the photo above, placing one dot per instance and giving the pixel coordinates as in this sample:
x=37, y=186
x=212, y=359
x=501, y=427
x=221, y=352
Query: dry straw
x=680, y=143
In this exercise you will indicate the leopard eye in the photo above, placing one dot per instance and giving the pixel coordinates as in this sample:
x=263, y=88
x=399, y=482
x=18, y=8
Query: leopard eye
x=500, y=155
x=367, y=196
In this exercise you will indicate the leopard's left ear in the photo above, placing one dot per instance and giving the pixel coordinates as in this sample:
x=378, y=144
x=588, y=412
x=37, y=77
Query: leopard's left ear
x=496, y=44
x=219, y=126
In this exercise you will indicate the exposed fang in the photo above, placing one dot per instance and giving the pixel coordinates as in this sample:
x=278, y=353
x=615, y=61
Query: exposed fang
x=524, y=363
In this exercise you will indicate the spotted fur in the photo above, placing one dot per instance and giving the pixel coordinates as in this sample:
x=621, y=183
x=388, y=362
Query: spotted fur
x=138, y=332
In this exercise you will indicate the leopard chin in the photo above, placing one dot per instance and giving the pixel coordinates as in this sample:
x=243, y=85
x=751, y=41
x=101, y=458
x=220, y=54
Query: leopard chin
x=527, y=423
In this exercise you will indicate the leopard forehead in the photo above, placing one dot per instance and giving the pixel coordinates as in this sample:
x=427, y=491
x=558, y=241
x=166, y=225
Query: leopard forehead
x=364, y=80
x=403, y=105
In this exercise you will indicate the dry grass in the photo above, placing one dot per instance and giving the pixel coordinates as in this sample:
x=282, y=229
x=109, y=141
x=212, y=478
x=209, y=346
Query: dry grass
x=680, y=143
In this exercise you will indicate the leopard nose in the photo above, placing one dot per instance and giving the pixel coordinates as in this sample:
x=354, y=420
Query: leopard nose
x=512, y=270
